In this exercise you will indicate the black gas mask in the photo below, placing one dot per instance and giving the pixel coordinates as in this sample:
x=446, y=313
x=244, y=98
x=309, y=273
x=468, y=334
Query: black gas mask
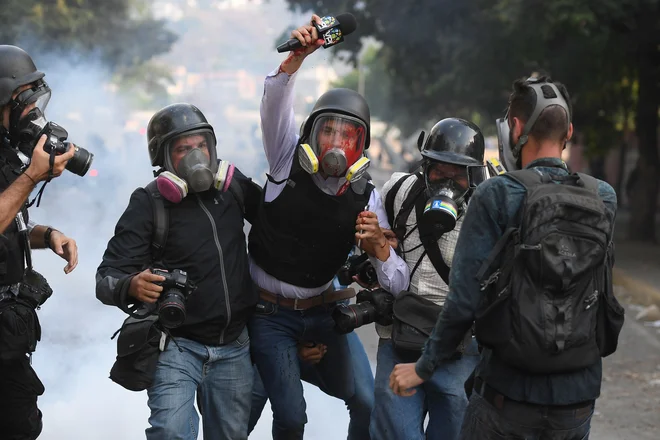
x=447, y=186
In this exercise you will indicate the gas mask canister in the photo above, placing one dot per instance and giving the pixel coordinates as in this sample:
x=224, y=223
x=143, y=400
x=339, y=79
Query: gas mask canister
x=547, y=94
x=336, y=147
x=197, y=170
x=446, y=188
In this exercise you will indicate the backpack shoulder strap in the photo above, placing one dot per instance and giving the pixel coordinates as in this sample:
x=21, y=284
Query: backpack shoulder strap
x=590, y=182
x=398, y=221
x=237, y=191
x=528, y=177
x=391, y=195
x=161, y=221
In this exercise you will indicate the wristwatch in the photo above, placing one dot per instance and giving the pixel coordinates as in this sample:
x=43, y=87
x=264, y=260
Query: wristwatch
x=47, y=234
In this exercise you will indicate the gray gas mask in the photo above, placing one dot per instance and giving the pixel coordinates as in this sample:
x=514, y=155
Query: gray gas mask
x=196, y=168
x=510, y=153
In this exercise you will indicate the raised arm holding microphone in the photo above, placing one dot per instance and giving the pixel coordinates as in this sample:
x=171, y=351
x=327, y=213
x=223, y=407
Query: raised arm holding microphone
x=303, y=233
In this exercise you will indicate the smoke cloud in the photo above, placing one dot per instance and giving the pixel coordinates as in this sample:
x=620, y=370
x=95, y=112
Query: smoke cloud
x=76, y=353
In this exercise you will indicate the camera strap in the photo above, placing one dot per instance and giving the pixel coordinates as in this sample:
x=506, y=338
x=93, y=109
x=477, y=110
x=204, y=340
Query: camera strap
x=51, y=162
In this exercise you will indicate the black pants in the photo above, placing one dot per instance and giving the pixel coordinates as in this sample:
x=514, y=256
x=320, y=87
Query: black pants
x=20, y=419
x=489, y=416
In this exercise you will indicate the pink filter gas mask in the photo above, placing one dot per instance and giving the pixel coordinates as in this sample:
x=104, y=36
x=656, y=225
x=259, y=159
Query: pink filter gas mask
x=174, y=189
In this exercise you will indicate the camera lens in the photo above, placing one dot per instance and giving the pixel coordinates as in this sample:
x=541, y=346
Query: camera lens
x=172, y=310
x=348, y=318
x=80, y=162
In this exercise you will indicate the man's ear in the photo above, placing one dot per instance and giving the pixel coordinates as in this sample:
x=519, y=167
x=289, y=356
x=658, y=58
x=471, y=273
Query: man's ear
x=569, y=135
x=517, y=127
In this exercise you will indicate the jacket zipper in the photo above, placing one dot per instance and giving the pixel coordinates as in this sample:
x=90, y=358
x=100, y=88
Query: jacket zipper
x=222, y=268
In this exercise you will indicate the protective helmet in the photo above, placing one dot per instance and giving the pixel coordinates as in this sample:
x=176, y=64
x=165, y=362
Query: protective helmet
x=342, y=101
x=171, y=122
x=458, y=142
x=17, y=69
x=335, y=135
x=455, y=141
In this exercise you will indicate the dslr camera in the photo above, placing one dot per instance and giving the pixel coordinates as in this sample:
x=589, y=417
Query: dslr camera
x=171, y=307
x=34, y=125
x=372, y=305
x=357, y=265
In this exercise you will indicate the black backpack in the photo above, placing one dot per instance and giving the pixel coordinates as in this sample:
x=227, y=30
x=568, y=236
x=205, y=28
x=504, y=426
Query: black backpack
x=549, y=306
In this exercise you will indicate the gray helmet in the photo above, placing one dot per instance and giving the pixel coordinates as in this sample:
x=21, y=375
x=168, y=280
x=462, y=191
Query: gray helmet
x=16, y=69
x=342, y=101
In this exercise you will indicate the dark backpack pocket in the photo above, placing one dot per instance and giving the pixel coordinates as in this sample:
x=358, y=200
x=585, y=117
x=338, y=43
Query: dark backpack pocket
x=19, y=329
x=138, y=347
x=610, y=318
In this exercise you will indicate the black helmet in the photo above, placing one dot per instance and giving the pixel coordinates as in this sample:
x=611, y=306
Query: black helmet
x=16, y=69
x=455, y=141
x=342, y=101
x=170, y=122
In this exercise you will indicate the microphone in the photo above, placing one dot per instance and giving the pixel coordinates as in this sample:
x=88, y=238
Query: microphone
x=331, y=30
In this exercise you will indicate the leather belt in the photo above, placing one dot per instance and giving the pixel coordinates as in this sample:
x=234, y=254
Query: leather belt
x=328, y=297
x=497, y=399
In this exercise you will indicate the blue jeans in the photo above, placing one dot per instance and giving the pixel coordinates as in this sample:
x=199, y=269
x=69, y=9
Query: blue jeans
x=275, y=332
x=220, y=376
x=442, y=397
x=518, y=420
x=359, y=406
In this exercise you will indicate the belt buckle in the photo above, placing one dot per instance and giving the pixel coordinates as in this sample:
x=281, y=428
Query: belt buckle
x=295, y=305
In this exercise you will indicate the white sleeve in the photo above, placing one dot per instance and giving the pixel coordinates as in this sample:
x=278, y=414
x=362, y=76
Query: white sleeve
x=278, y=122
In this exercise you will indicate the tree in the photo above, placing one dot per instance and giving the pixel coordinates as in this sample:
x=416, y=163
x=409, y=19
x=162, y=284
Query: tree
x=120, y=34
x=448, y=57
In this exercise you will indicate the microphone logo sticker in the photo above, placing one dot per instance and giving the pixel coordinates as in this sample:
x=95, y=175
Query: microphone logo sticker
x=333, y=36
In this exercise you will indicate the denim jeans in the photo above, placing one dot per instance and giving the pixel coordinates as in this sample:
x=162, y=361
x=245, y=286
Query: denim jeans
x=219, y=378
x=275, y=332
x=523, y=421
x=442, y=397
x=359, y=406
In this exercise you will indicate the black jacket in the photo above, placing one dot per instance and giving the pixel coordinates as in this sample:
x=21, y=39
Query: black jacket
x=206, y=240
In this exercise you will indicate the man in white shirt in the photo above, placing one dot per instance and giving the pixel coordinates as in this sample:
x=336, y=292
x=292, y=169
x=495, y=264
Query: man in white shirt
x=305, y=229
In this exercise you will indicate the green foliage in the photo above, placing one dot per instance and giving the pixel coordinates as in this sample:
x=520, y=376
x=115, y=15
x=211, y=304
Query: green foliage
x=120, y=33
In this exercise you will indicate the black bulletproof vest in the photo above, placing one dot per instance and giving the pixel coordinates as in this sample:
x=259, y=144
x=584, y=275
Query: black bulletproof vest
x=304, y=236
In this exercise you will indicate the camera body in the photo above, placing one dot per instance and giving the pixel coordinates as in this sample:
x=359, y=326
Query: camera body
x=372, y=305
x=357, y=265
x=34, y=125
x=171, y=307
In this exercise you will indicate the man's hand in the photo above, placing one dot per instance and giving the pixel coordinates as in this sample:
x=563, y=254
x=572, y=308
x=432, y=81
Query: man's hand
x=404, y=379
x=143, y=289
x=40, y=162
x=311, y=353
x=370, y=236
x=309, y=38
x=66, y=248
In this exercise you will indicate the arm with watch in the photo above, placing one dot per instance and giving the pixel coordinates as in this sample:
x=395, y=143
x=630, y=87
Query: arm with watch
x=45, y=237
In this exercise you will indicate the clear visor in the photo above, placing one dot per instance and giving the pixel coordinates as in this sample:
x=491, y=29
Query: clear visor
x=438, y=172
x=332, y=131
x=35, y=97
x=177, y=148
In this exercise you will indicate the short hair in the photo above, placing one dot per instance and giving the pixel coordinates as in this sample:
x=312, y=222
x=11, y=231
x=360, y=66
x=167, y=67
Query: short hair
x=552, y=123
